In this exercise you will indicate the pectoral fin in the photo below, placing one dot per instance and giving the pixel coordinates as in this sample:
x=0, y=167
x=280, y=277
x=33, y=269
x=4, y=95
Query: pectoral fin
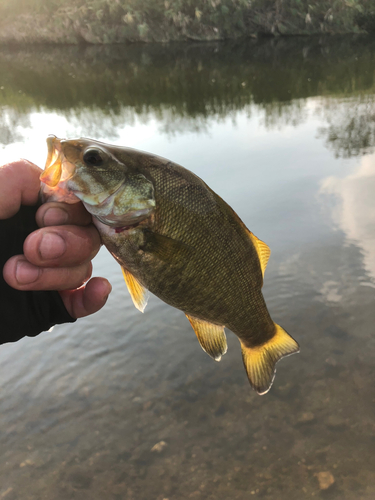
x=163, y=247
x=211, y=337
x=138, y=292
x=262, y=249
x=260, y=361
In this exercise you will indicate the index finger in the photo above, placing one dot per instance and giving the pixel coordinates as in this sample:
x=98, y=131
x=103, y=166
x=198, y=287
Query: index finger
x=55, y=213
x=19, y=185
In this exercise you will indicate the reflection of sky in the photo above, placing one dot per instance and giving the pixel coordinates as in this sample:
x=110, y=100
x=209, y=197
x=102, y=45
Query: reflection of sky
x=270, y=175
x=354, y=212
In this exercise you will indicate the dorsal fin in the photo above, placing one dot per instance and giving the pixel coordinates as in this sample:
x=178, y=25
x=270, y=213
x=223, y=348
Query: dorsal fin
x=211, y=337
x=262, y=249
x=138, y=292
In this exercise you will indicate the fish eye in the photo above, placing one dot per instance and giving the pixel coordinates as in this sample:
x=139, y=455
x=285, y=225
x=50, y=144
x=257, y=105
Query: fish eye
x=93, y=158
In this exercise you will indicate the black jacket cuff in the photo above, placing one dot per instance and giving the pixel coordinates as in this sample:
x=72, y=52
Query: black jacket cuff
x=24, y=313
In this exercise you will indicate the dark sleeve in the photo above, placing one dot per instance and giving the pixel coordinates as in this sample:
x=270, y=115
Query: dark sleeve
x=24, y=313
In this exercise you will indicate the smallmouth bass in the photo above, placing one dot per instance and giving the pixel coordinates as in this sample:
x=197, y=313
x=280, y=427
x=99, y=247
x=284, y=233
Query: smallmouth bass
x=174, y=236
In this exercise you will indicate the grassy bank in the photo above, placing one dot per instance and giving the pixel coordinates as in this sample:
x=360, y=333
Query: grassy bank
x=119, y=21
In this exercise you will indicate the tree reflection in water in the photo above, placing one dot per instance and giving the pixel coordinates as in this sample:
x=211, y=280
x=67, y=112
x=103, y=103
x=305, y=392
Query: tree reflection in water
x=186, y=86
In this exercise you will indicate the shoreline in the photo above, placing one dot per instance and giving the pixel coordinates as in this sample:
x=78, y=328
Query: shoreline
x=24, y=40
x=323, y=38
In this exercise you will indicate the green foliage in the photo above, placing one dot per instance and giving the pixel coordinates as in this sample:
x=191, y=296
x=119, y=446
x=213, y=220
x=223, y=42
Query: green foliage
x=306, y=17
x=365, y=17
x=109, y=21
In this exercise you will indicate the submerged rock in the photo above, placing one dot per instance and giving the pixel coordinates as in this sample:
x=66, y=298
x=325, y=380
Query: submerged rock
x=325, y=480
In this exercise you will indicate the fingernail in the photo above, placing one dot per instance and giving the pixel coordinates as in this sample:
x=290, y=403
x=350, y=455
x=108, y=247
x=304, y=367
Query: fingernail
x=51, y=246
x=110, y=290
x=55, y=217
x=26, y=273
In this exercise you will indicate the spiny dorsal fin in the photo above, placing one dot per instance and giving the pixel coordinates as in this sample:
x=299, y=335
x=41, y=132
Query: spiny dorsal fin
x=262, y=249
x=211, y=337
x=138, y=292
x=260, y=361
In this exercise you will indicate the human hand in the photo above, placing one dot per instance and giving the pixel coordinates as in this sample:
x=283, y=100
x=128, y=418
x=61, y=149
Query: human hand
x=58, y=255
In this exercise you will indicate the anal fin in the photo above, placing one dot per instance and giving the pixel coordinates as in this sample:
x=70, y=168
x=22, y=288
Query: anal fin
x=211, y=337
x=138, y=292
x=260, y=361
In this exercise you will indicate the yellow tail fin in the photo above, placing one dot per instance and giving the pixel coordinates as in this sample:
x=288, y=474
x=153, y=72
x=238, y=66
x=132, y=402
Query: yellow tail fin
x=260, y=361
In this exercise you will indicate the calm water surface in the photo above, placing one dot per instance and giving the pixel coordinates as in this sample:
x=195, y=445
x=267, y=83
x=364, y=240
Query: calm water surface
x=122, y=405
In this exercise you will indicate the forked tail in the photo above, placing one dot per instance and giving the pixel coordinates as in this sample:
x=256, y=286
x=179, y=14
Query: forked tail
x=260, y=361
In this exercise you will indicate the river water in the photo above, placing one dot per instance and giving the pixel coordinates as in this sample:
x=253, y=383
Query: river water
x=122, y=405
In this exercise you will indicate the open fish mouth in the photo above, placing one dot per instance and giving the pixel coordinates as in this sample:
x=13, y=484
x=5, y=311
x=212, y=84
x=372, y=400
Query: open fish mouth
x=57, y=172
x=53, y=169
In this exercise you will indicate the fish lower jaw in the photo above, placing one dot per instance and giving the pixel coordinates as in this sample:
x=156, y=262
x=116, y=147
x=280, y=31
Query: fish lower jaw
x=118, y=229
x=120, y=223
x=112, y=230
x=58, y=193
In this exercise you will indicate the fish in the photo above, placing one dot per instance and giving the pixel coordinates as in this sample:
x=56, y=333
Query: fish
x=175, y=237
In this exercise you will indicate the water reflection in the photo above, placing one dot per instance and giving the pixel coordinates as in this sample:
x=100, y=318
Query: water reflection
x=350, y=128
x=185, y=86
x=354, y=210
x=11, y=124
x=266, y=125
